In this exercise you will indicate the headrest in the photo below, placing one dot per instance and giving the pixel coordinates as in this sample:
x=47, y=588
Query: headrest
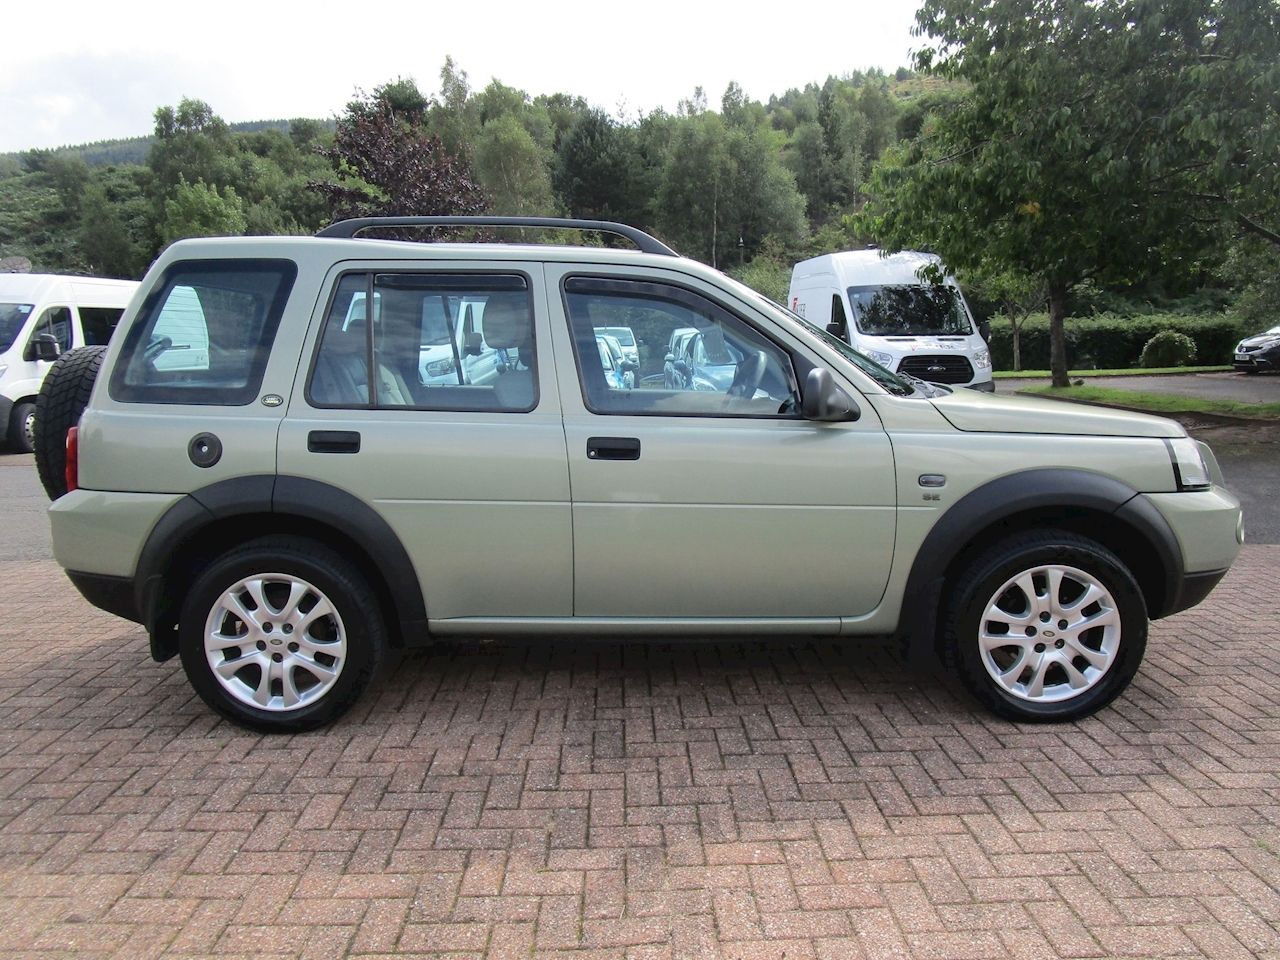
x=506, y=320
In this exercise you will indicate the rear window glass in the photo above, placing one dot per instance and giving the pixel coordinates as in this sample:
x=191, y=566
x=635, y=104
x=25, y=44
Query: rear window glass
x=205, y=333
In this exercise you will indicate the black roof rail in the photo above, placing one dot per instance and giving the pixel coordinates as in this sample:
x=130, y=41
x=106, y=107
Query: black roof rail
x=347, y=229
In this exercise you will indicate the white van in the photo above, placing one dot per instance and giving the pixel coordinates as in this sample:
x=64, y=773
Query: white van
x=882, y=308
x=41, y=317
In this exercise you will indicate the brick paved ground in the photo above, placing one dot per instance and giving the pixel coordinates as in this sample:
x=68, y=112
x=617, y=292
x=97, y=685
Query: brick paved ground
x=640, y=802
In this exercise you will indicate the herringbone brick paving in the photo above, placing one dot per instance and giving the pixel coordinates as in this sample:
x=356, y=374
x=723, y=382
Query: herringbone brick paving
x=631, y=801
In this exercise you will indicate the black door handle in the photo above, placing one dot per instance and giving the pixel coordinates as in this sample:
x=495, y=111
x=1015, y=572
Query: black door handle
x=613, y=448
x=333, y=441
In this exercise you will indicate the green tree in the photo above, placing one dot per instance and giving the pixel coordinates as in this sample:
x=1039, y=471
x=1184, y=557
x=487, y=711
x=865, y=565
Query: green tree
x=596, y=170
x=510, y=168
x=1068, y=158
x=104, y=239
x=200, y=210
x=724, y=190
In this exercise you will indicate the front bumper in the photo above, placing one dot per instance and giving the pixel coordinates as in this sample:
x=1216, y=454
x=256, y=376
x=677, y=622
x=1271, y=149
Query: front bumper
x=1256, y=361
x=1210, y=532
x=6, y=407
x=986, y=386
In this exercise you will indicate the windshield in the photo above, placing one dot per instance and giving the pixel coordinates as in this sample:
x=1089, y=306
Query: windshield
x=909, y=310
x=12, y=317
x=890, y=381
x=622, y=334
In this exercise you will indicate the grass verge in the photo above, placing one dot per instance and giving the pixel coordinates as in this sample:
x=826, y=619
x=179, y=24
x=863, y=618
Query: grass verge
x=1135, y=372
x=1158, y=402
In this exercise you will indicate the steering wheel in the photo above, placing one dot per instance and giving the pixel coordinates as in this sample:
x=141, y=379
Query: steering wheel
x=748, y=374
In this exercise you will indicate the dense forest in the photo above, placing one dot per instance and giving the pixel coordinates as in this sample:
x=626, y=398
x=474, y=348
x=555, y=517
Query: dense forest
x=1102, y=161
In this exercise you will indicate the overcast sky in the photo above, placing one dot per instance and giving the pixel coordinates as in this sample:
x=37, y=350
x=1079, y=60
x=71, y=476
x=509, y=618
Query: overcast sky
x=76, y=71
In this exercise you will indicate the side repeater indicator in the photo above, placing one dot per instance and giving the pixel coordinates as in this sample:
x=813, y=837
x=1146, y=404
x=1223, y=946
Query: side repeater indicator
x=931, y=482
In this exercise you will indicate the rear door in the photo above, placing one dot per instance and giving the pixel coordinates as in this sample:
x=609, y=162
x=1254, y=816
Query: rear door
x=472, y=476
x=710, y=497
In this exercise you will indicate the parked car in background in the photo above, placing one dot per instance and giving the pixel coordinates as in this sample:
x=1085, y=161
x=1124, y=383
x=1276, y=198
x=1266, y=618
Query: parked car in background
x=1258, y=353
x=41, y=317
x=627, y=341
x=882, y=307
x=626, y=364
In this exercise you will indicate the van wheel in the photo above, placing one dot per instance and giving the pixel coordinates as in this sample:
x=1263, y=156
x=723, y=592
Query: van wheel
x=1046, y=626
x=62, y=399
x=22, y=425
x=281, y=635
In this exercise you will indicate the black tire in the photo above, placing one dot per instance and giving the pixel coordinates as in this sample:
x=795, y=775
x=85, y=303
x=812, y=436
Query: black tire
x=1016, y=698
x=20, y=426
x=358, y=623
x=63, y=397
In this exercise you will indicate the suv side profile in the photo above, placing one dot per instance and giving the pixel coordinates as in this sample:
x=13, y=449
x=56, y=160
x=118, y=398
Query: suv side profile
x=301, y=493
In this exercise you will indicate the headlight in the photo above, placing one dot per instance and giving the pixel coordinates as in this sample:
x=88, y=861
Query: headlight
x=982, y=359
x=1188, y=466
x=884, y=359
x=440, y=368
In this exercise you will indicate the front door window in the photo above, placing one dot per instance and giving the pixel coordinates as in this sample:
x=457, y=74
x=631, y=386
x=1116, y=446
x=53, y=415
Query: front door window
x=694, y=357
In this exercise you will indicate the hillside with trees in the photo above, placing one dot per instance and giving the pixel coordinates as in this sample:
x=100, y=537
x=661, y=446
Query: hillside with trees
x=724, y=185
x=1062, y=157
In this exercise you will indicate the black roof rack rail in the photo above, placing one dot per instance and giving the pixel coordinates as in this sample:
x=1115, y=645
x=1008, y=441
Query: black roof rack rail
x=347, y=229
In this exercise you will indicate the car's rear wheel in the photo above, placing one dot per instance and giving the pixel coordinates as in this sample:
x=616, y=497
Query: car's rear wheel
x=1046, y=626
x=281, y=635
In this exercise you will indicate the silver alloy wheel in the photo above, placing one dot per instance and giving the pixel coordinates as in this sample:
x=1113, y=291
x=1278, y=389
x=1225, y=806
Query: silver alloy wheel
x=275, y=642
x=29, y=429
x=1050, y=633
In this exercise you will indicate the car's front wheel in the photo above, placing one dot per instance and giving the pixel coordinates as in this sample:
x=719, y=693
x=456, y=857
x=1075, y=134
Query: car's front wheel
x=281, y=635
x=1046, y=625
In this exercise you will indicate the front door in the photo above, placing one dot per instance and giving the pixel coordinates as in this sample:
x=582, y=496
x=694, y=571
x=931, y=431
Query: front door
x=701, y=492
x=456, y=441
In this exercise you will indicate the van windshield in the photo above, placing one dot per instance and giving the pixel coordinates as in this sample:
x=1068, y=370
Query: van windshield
x=12, y=317
x=893, y=383
x=909, y=310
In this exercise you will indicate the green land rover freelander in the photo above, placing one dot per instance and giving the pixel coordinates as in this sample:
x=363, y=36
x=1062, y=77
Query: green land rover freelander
x=301, y=454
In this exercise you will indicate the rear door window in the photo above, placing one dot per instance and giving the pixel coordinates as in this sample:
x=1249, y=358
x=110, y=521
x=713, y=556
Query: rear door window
x=437, y=342
x=205, y=333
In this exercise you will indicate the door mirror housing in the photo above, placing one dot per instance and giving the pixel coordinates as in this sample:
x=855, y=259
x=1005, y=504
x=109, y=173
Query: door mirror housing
x=472, y=344
x=824, y=401
x=45, y=347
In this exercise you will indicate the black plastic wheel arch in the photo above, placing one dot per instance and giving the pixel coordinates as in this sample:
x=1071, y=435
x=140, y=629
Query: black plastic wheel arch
x=1052, y=490
x=284, y=497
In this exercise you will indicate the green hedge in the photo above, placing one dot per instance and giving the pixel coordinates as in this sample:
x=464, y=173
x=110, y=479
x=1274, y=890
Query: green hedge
x=1109, y=342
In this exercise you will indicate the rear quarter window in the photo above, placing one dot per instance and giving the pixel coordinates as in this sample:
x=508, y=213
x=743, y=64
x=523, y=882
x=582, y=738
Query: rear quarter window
x=204, y=334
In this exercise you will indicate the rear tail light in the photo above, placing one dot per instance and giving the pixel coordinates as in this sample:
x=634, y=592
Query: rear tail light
x=73, y=459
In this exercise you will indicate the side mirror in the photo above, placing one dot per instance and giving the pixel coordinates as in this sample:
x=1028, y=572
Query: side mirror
x=836, y=329
x=46, y=347
x=822, y=400
x=472, y=344
x=628, y=365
